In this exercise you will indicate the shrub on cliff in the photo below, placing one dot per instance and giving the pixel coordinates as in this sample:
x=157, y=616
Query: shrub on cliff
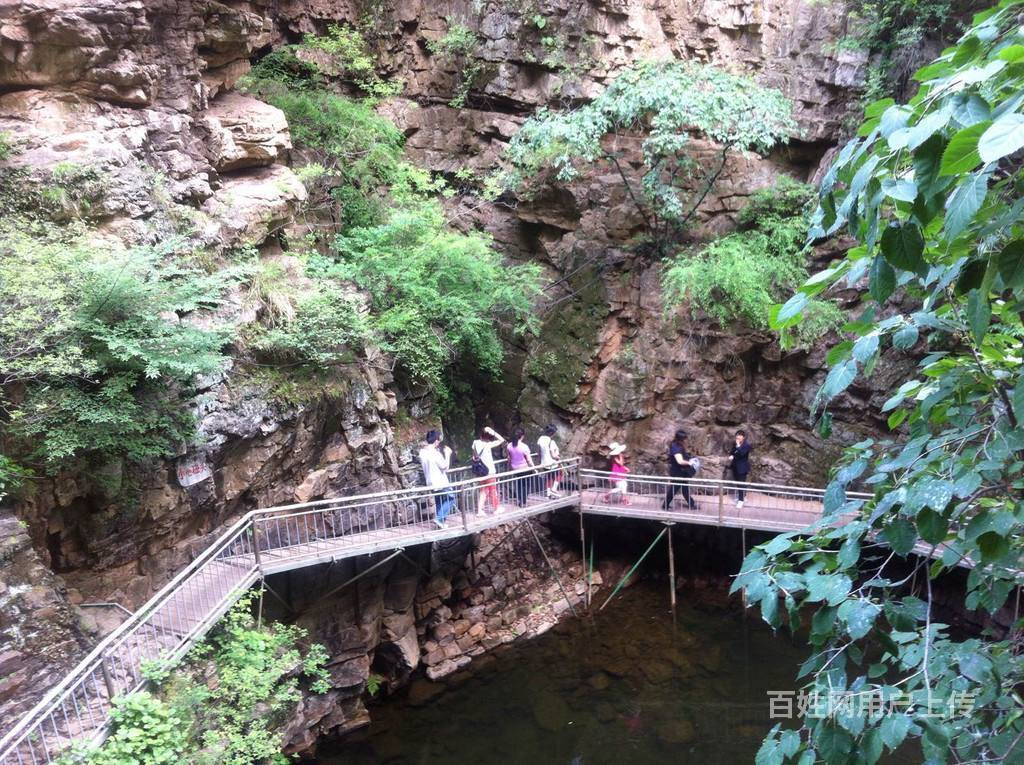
x=437, y=296
x=667, y=104
x=740, y=276
x=94, y=354
x=933, y=192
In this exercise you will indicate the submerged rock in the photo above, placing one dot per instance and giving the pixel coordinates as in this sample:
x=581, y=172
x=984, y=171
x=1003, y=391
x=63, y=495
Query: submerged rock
x=423, y=691
x=676, y=732
x=550, y=711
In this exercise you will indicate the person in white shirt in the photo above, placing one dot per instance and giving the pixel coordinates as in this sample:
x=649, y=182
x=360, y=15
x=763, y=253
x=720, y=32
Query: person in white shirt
x=483, y=459
x=550, y=455
x=435, y=462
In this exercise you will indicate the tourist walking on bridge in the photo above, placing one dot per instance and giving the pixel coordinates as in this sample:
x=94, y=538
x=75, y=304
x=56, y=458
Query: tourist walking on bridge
x=739, y=461
x=519, y=458
x=549, y=456
x=680, y=465
x=435, y=462
x=483, y=466
x=617, y=467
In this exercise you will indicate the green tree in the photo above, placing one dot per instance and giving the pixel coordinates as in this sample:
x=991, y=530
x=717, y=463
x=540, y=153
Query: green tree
x=932, y=191
x=669, y=103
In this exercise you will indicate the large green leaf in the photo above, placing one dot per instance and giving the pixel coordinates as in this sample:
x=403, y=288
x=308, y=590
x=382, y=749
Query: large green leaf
x=961, y=154
x=881, y=280
x=1011, y=264
x=859, y=616
x=965, y=203
x=894, y=729
x=839, y=379
x=978, y=314
x=790, y=310
x=900, y=535
x=1002, y=138
x=932, y=525
x=903, y=245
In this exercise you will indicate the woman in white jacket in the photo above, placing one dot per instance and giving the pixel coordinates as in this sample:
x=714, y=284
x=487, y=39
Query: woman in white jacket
x=549, y=455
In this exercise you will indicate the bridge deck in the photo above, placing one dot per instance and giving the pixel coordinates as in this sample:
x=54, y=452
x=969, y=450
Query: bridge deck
x=760, y=511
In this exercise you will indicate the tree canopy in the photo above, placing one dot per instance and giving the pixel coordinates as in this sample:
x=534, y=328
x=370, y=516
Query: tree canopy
x=668, y=103
x=931, y=191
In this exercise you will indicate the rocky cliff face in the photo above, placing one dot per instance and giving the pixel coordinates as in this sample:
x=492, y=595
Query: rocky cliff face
x=142, y=92
x=39, y=630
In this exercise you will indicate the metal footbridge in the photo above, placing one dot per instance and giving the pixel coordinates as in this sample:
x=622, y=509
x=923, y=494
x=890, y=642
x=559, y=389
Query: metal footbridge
x=272, y=540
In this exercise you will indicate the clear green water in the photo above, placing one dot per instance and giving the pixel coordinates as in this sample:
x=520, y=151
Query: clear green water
x=623, y=687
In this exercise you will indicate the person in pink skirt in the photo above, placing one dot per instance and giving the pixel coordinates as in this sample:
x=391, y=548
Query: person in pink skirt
x=617, y=467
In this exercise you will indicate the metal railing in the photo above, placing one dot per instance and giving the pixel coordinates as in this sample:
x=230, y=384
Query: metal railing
x=262, y=542
x=768, y=507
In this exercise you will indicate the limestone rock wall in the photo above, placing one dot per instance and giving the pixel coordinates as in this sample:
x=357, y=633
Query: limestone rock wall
x=39, y=631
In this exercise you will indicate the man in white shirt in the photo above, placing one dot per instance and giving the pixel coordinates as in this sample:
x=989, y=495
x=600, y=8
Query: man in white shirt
x=435, y=462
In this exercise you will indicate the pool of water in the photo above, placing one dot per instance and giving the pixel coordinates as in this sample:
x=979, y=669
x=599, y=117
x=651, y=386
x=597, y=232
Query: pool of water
x=624, y=686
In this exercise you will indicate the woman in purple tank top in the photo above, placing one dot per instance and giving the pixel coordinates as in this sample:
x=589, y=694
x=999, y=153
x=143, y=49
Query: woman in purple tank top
x=519, y=458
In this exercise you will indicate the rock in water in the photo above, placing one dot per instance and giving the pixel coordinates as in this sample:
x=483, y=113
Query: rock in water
x=550, y=711
x=676, y=732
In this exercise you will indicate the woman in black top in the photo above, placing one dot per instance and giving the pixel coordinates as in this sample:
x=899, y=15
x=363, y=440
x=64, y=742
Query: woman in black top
x=679, y=466
x=739, y=461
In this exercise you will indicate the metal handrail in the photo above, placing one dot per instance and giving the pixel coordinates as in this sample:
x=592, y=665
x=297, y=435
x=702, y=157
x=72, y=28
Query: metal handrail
x=715, y=482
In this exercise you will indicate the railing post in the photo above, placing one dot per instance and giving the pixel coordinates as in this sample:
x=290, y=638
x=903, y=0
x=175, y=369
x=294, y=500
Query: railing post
x=256, y=547
x=107, y=679
x=671, y=571
x=461, y=494
x=721, y=502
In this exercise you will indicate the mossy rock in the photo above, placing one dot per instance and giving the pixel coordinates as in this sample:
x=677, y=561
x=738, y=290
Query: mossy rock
x=568, y=338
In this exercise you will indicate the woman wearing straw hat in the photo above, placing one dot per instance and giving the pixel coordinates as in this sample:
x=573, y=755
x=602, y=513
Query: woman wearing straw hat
x=617, y=467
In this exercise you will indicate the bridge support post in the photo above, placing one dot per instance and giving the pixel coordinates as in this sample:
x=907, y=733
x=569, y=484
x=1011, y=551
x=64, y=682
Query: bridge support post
x=671, y=572
x=583, y=563
x=554, y=571
x=743, y=551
